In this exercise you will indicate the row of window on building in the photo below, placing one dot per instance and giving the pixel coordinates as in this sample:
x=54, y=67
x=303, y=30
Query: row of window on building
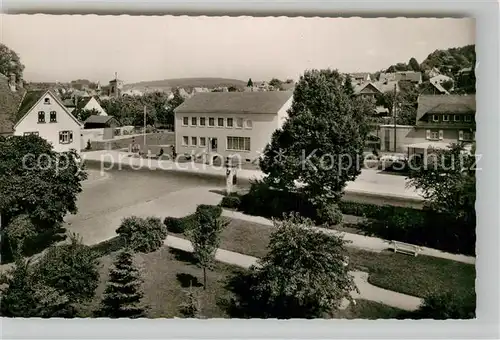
x=439, y=135
x=233, y=143
x=52, y=117
x=65, y=137
x=456, y=118
x=221, y=122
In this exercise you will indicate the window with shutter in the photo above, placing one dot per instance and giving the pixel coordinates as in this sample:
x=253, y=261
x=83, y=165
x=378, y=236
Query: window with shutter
x=71, y=136
x=428, y=134
x=440, y=134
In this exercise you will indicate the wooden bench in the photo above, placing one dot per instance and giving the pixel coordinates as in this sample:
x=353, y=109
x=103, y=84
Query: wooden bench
x=405, y=248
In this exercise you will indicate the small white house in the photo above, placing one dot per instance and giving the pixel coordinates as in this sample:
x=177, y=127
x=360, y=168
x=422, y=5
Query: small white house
x=43, y=113
x=230, y=123
x=84, y=103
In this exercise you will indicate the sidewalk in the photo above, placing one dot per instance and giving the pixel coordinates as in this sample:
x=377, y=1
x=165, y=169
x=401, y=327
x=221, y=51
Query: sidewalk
x=369, y=182
x=366, y=290
x=358, y=241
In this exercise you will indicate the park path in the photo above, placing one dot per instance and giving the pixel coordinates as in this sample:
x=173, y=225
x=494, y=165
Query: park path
x=367, y=291
x=358, y=241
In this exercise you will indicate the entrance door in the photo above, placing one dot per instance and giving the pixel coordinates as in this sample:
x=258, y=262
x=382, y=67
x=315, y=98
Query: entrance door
x=213, y=146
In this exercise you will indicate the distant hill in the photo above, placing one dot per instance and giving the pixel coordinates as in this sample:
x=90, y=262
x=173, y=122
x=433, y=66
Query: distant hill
x=186, y=83
x=448, y=61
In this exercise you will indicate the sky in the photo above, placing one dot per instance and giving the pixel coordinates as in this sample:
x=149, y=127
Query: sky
x=141, y=48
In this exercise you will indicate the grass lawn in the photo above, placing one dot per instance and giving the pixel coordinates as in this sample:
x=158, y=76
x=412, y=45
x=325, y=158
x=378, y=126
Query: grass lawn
x=398, y=272
x=167, y=273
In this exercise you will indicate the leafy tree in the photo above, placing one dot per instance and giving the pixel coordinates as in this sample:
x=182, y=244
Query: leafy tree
x=250, y=82
x=173, y=103
x=321, y=141
x=448, y=183
x=20, y=230
x=276, y=83
x=414, y=65
x=398, y=67
x=304, y=274
x=10, y=63
x=449, y=61
x=447, y=305
x=70, y=268
x=447, y=84
x=205, y=236
x=143, y=235
x=348, y=87
x=38, y=182
x=23, y=296
x=82, y=115
x=232, y=89
x=123, y=294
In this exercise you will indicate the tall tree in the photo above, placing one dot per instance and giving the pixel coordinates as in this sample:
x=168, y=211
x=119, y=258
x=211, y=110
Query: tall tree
x=205, y=236
x=250, y=82
x=414, y=65
x=276, y=83
x=123, y=293
x=172, y=103
x=348, y=87
x=10, y=63
x=321, y=141
x=142, y=234
x=304, y=274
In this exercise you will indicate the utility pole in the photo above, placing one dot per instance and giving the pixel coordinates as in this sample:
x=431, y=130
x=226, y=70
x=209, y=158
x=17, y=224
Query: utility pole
x=144, y=132
x=394, y=113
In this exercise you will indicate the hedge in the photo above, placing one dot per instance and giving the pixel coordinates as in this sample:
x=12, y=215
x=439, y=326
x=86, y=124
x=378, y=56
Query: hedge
x=179, y=225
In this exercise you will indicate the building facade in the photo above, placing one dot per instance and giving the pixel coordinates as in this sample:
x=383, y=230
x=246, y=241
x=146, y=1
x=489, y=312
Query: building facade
x=42, y=113
x=229, y=123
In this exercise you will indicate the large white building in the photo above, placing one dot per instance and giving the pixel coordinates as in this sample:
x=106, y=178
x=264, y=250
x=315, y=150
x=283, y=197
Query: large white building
x=42, y=113
x=229, y=123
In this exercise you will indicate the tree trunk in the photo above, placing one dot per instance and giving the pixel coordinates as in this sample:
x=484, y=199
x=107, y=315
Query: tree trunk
x=204, y=278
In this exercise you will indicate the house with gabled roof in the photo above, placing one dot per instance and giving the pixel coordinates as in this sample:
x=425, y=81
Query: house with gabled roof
x=230, y=123
x=42, y=113
x=84, y=103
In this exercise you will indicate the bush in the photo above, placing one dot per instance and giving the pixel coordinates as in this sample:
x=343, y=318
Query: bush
x=329, y=215
x=442, y=306
x=230, y=202
x=143, y=235
x=179, y=225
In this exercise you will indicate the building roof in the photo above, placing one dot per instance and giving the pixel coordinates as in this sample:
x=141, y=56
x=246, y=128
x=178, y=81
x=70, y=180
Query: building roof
x=269, y=102
x=380, y=86
x=455, y=104
x=96, y=119
x=81, y=102
x=409, y=76
x=29, y=100
x=363, y=75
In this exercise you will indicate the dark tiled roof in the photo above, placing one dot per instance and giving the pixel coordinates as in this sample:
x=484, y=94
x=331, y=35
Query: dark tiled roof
x=29, y=99
x=96, y=119
x=445, y=104
x=269, y=102
x=9, y=102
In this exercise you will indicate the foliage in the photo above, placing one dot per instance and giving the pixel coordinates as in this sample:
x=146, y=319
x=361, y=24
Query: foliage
x=123, y=294
x=10, y=63
x=451, y=60
x=321, y=140
x=205, y=236
x=276, y=83
x=231, y=201
x=180, y=225
x=143, y=235
x=413, y=65
x=70, y=268
x=397, y=68
x=329, y=215
x=447, y=305
x=448, y=183
x=250, y=82
x=191, y=307
x=38, y=182
x=24, y=297
x=406, y=103
x=232, y=89
x=304, y=273
x=447, y=84
x=84, y=114
x=20, y=229
x=348, y=87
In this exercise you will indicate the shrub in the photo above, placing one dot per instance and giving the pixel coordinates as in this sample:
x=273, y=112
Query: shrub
x=179, y=225
x=143, y=235
x=442, y=306
x=230, y=202
x=329, y=215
